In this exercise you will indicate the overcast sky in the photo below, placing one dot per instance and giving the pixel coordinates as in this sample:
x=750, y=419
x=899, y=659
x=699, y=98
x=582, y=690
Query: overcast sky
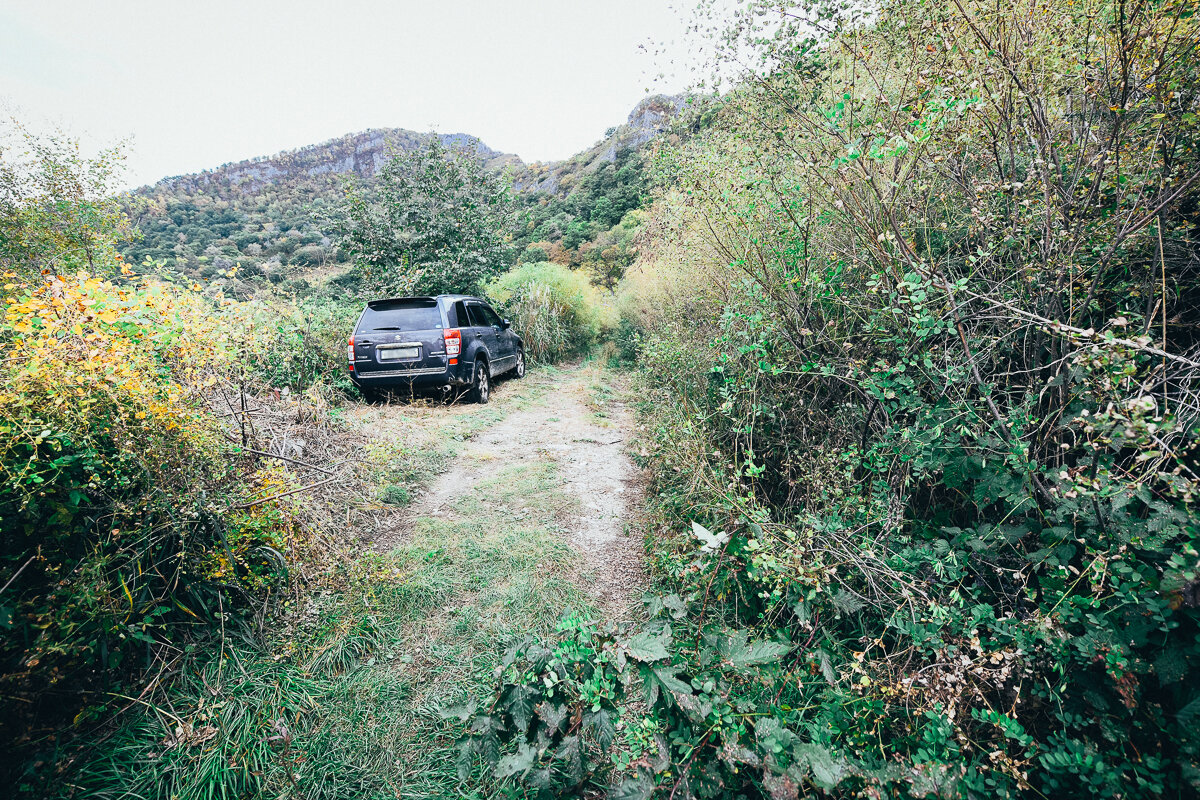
x=198, y=83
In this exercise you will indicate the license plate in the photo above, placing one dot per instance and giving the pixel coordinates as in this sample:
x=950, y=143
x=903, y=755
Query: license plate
x=399, y=353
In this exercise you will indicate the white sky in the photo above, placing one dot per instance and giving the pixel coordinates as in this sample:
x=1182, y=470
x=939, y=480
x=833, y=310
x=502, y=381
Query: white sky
x=198, y=83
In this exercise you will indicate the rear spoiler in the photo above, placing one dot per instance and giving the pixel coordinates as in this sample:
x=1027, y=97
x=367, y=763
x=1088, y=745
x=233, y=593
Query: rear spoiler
x=399, y=302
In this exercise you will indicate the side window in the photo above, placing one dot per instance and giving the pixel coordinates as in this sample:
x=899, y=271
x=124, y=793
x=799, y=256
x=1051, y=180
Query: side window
x=491, y=316
x=460, y=315
x=476, y=313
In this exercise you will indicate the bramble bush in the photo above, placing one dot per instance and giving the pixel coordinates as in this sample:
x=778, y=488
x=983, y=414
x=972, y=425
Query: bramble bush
x=295, y=347
x=923, y=414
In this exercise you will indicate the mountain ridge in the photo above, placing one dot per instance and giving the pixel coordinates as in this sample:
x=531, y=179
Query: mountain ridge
x=364, y=152
x=267, y=214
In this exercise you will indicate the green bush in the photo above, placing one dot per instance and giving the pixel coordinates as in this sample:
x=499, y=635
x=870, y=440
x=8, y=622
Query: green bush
x=533, y=254
x=556, y=311
x=310, y=255
x=924, y=417
x=395, y=495
x=297, y=347
x=115, y=551
x=434, y=221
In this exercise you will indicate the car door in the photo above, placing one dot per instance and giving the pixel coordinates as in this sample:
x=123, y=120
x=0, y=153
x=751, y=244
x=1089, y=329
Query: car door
x=483, y=329
x=506, y=340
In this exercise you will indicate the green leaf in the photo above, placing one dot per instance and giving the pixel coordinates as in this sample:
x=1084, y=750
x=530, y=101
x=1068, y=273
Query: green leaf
x=1189, y=715
x=772, y=736
x=662, y=755
x=1170, y=666
x=552, y=715
x=459, y=711
x=740, y=654
x=639, y=788
x=672, y=603
x=485, y=724
x=520, y=761
x=667, y=676
x=709, y=541
x=570, y=752
x=826, y=665
x=847, y=602
x=519, y=702
x=466, y=747
x=647, y=646
x=600, y=724
x=827, y=771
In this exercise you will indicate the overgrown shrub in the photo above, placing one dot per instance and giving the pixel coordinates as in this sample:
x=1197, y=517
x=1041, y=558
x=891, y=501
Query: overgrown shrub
x=924, y=411
x=123, y=534
x=57, y=212
x=556, y=311
x=295, y=346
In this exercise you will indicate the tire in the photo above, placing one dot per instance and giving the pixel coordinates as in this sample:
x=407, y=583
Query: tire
x=519, y=370
x=481, y=385
x=372, y=396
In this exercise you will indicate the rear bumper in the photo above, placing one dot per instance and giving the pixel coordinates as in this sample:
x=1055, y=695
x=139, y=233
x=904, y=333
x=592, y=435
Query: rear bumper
x=427, y=377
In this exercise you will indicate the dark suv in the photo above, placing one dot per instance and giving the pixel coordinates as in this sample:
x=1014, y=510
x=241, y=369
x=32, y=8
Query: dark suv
x=442, y=342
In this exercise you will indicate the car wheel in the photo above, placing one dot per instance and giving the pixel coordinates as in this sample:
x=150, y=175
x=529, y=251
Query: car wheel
x=481, y=387
x=519, y=369
x=371, y=396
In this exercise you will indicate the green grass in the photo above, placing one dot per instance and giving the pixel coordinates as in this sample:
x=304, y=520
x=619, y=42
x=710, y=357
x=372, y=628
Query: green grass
x=344, y=700
x=414, y=464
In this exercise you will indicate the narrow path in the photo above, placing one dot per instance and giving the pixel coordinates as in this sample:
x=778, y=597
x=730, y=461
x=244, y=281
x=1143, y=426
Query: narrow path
x=577, y=425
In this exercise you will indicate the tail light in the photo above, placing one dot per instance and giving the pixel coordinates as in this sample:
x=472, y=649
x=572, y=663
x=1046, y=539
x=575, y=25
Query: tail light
x=453, y=337
x=350, y=353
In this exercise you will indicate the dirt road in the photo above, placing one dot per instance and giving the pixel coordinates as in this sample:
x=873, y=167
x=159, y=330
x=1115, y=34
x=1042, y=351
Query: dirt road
x=575, y=423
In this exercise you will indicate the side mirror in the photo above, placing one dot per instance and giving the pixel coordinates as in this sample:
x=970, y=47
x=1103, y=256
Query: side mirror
x=505, y=324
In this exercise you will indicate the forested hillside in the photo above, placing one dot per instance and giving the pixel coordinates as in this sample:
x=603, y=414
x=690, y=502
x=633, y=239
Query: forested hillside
x=271, y=216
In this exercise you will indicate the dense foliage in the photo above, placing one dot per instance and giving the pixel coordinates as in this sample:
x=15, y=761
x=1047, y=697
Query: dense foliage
x=134, y=522
x=920, y=318
x=57, y=214
x=434, y=222
x=555, y=310
x=589, y=224
x=265, y=215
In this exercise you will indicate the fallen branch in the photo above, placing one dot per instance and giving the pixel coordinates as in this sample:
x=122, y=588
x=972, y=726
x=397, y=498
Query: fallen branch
x=285, y=458
x=284, y=494
x=1086, y=334
x=18, y=572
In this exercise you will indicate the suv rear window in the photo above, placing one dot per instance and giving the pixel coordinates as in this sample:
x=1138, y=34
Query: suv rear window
x=401, y=318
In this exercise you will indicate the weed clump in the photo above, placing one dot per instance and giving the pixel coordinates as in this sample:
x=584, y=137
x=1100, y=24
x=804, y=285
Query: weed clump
x=395, y=495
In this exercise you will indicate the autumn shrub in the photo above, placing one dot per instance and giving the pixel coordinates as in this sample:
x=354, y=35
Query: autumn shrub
x=555, y=310
x=922, y=412
x=57, y=211
x=119, y=494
